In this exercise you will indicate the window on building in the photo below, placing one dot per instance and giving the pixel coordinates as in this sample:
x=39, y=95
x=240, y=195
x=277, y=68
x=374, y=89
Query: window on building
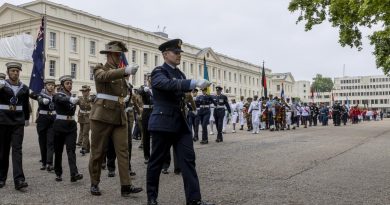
x=133, y=55
x=184, y=66
x=91, y=68
x=219, y=74
x=213, y=72
x=156, y=60
x=52, y=68
x=230, y=76
x=73, y=44
x=73, y=70
x=53, y=40
x=145, y=59
x=200, y=70
x=191, y=67
x=224, y=75
x=192, y=70
x=245, y=81
x=235, y=78
x=277, y=87
x=92, y=47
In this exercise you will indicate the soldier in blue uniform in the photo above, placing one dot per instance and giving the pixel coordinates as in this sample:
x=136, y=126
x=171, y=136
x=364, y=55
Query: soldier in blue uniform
x=14, y=114
x=45, y=120
x=169, y=126
x=203, y=102
x=221, y=102
x=147, y=100
x=65, y=129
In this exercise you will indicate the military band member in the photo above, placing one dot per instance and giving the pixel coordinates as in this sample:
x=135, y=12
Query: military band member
x=235, y=115
x=14, y=115
x=65, y=129
x=203, y=102
x=222, y=104
x=324, y=113
x=169, y=126
x=254, y=109
x=271, y=113
x=84, y=103
x=46, y=116
x=108, y=118
x=264, y=114
x=315, y=114
x=241, y=113
x=297, y=113
x=336, y=112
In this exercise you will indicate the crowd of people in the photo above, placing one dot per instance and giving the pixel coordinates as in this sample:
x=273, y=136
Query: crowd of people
x=169, y=110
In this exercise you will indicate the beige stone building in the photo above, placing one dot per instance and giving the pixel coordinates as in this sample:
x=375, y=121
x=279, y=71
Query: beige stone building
x=283, y=81
x=74, y=38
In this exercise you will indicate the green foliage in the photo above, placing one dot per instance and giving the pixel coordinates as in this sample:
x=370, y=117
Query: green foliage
x=350, y=16
x=322, y=84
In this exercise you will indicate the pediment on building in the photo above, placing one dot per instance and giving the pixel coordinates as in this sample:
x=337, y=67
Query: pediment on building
x=10, y=14
x=209, y=54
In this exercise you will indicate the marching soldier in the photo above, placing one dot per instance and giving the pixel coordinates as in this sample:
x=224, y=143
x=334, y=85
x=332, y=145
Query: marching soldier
x=247, y=115
x=108, y=118
x=235, y=110
x=45, y=120
x=289, y=114
x=271, y=113
x=241, y=113
x=264, y=114
x=254, y=109
x=14, y=114
x=147, y=101
x=336, y=111
x=168, y=124
x=193, y=116
x=65, y=129
x=315, y=114
x=83, y=118
x=203, y=102
x=222, y=103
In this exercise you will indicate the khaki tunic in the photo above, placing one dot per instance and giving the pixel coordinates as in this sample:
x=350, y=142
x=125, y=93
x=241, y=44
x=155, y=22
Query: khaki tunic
x=109, y=80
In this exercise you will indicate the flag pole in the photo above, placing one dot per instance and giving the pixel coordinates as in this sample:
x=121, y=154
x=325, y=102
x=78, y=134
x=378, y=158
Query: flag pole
x=44, y=42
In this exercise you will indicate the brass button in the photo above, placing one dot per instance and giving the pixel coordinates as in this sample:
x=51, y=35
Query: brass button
x=160, y=112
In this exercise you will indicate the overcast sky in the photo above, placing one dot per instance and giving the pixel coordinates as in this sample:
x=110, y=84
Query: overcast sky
x=251, y=30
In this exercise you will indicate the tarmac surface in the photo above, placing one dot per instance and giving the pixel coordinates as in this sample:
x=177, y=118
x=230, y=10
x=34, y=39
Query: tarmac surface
x=318, y=165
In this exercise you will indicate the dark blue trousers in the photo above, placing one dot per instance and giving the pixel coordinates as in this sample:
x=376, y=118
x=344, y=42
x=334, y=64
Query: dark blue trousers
x=219, y=114
x=204, y=119
x=184, y=150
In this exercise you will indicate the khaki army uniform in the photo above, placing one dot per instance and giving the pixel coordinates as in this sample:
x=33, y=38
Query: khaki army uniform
x=108, y=119
x=83, y=119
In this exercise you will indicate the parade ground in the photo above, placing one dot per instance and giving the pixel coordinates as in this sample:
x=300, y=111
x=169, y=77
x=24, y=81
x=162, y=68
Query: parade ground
x=318, y=165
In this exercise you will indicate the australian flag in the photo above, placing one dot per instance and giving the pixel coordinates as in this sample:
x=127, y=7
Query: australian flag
x=37, y=74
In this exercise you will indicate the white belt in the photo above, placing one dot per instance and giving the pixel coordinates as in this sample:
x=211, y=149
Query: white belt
x=110, y=97
x=64, y=117
x=197, y=108
x=45, y=112
x=129, y=109
x=85, y=111
x=148, y=106
x=11, y=107
x=221, y=106
x=205, y=106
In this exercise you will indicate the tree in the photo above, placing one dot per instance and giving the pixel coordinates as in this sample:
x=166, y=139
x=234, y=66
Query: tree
x=322, y=84
x=350, y=16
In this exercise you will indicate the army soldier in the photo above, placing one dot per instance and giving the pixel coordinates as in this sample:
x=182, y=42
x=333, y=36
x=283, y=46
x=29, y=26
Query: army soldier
x=222, y=103
x=108, y=118
x=315, y=114
x=14, y=114
x=83, y=118
x=45, y=120
x=289, y=113
x=247, y=115
x=147, y=101
x=203, y=102
x=168, y=124
x=65, y=129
